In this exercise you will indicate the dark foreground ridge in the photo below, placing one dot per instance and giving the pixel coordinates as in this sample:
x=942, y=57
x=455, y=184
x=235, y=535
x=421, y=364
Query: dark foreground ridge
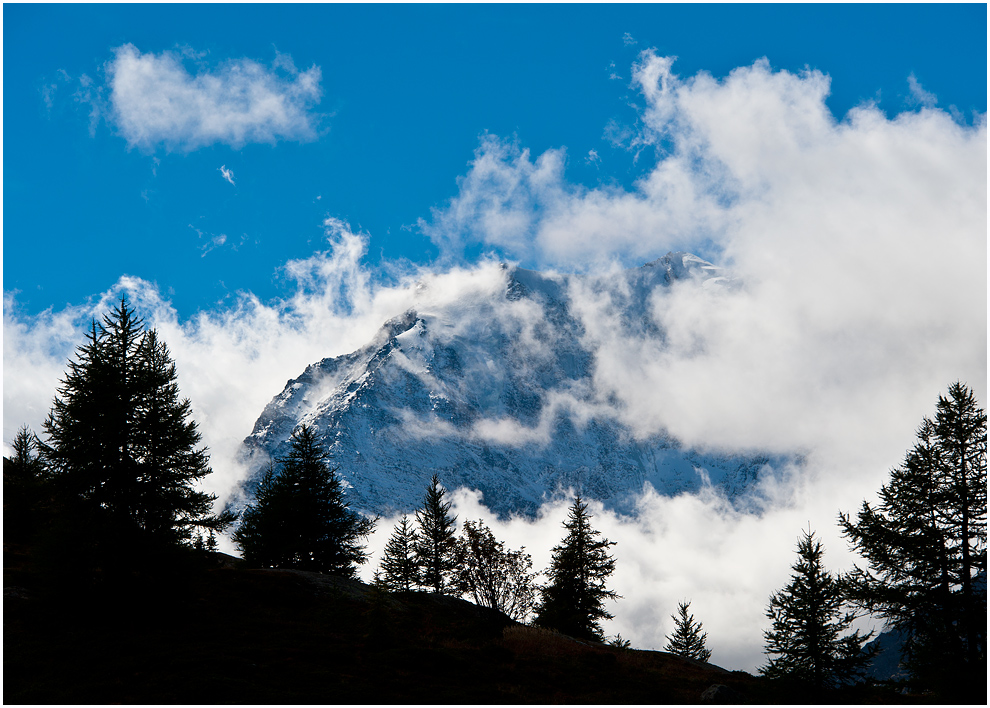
x=225, y=634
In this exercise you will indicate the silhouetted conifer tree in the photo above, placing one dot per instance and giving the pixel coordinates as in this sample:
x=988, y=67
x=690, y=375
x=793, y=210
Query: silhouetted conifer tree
x=492, y=576
x=263, y=530
x=23, y=485
x=573, y=601
x=436, y=545
x=300, y=519
x=808, y=641
x=925, y=545
x=687, y=640
x=399, y=569
x=121, y=450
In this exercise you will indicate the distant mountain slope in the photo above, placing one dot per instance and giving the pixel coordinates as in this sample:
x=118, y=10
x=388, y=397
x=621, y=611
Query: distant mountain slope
x=495, y=391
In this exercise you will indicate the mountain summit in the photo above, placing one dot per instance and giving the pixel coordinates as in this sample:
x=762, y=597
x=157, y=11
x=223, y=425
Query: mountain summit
x=493, y=388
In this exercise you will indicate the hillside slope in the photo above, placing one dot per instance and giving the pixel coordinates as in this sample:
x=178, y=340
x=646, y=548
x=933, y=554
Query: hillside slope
x=206, y=635
x=228, y=635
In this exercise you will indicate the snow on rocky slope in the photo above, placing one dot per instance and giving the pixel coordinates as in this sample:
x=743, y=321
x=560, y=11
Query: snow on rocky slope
x=494, y=390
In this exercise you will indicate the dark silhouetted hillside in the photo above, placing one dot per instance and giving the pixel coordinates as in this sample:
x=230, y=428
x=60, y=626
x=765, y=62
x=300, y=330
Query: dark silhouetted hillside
x=233, y=635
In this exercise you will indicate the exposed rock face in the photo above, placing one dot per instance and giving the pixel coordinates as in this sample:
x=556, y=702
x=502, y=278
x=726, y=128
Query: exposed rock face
x=719, y=694
x=496, y=391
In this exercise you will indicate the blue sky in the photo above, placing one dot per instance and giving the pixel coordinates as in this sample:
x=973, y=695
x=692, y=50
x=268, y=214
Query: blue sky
x=403, y=97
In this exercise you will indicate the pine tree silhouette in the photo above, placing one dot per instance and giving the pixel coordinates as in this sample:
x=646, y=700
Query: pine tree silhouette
x=925, y=547
x=687, y=640
x=436, y=545
x=399, y=569
x=122, y=451
x=300, y=518
x=809, y=641
x=573, y=601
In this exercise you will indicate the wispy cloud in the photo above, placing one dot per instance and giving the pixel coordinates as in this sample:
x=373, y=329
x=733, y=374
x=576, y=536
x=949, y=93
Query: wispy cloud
x=154, y=100
x=227, y=174
x=212, y=242
x=628, y=39
x=50, y=86
x=919, y=96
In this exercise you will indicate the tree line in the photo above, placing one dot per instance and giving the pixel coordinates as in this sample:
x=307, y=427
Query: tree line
x=112, y=487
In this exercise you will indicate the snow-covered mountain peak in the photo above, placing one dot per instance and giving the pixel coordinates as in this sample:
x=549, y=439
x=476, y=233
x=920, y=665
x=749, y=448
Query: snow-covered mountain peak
x=681, y=265
x=491, y=383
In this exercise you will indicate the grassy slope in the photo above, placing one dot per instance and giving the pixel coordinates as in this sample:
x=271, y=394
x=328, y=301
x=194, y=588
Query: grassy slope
x=253, y=636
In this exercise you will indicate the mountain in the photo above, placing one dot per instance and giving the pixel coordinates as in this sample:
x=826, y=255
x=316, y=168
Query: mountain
x=493, y=388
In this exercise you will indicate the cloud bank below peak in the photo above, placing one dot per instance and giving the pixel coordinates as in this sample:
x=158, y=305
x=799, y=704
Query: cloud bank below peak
x=153, y=100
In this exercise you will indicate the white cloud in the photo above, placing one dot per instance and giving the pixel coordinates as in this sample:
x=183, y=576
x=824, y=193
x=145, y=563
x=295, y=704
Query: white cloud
x=919, y=96
x=213, y=241
x=230, y=362
x=861, y=245
x=859, y=248
x=227, y=174
x=628, y=39
x=34, y=349
x=154, y=100
x=501, y=200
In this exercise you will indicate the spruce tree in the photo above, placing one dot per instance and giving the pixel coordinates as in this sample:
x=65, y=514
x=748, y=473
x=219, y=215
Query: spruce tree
x=808, y=641
x=23, y=488
x=300, y=518
x=262, y=534
x=687, y=639
x=436, y=545
x=122, y=453
x=493, y=576
x=573, y=601
x=399, y=569
x=925, y=548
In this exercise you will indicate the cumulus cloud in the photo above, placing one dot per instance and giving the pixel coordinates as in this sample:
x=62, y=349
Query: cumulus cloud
x=153, y=100
x=857, y=251
x=860, y=245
